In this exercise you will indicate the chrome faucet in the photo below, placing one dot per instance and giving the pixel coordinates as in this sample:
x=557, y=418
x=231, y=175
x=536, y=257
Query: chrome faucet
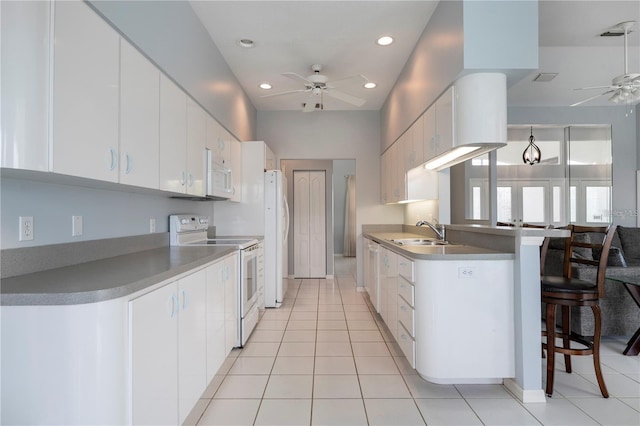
x=439, y=230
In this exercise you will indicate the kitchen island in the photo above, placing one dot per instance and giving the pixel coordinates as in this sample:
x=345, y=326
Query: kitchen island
x=484, y=243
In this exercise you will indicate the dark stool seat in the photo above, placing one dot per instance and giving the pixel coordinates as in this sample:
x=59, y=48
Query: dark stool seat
x=565, y=291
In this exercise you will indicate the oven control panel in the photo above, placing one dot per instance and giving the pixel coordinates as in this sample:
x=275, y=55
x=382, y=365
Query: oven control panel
x=180, y=223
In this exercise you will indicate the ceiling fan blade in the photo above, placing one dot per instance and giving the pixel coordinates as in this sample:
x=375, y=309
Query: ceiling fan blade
x=288, y=92
x=296, y=77
x=594, y=87
x=592, y=98
x=345, y=97
x=358, y=78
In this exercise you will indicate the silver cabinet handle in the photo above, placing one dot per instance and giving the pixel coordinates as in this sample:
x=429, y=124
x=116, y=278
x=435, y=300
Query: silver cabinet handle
x=114, y=159
x=129, y=163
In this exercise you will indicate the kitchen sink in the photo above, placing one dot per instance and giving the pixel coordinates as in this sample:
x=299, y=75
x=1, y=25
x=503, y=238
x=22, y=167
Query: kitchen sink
x=419, y=242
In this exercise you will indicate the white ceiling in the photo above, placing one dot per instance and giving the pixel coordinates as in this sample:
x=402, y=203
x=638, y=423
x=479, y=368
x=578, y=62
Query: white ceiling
x=290, y=36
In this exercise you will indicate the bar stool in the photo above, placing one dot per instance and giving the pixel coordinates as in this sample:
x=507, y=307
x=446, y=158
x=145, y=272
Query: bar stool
x=566, y=292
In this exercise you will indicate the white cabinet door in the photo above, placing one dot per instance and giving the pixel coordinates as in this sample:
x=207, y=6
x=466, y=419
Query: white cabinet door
x=85, y=94
x=231, y=303
x=385, y=168
x=444, y=121
x=173, y=136
x=192, y=341
x=24, y=84
x=154, y=336
x=216, y=318
x=429, y=130
x=196, y=155
x=236, y=170
x=417, y=142
x=139, y=118
x=399, y=173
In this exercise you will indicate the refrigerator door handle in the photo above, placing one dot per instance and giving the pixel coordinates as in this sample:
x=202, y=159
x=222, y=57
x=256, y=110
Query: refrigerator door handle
x=286, y=210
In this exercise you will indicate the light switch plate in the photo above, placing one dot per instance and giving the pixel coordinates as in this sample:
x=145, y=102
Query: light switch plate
x=152, y=225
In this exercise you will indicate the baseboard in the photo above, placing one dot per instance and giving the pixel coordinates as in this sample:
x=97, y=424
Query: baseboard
x=525, y=396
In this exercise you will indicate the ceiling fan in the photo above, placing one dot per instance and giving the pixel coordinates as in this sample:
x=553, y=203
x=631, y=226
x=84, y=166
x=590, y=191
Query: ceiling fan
x=317, y=85
x=624, y=88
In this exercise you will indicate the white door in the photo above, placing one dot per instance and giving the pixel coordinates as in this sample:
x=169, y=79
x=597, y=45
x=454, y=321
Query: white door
x=523, y=202
x=309, y=233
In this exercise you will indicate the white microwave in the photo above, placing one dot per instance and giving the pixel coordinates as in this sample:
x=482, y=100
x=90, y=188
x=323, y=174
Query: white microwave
x=219, y=178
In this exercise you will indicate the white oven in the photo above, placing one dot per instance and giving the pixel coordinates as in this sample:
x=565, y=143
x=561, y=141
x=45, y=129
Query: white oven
x=191, y=230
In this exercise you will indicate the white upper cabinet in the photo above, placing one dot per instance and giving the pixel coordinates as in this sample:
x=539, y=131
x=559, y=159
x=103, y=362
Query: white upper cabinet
x=438, y=126
x=85, y=94
x=24, y=84
x=218, y=142
x=444, y=121
x=196, y=155
x=173, y=136
x=417, y=142
x=429, y=129
x=236, y=170
x=139, y=119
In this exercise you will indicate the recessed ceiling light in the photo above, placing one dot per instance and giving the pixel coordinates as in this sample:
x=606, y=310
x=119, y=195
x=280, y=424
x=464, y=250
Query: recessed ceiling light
x=369, y=85
x=246, y=42
x=385, y=41
x=265, y=86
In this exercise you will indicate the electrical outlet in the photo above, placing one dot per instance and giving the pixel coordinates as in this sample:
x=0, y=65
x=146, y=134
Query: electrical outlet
x=152, y=225
x=26, y=228
x=76, y=226
x=466, y=272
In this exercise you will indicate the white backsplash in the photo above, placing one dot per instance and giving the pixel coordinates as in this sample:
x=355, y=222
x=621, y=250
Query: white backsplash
x=421, y=210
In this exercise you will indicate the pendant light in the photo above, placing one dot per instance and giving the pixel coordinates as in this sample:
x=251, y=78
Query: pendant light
x=531, y=154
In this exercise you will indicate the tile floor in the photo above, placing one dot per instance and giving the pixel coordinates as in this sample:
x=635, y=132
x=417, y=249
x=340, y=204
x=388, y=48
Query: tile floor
x=324, y=359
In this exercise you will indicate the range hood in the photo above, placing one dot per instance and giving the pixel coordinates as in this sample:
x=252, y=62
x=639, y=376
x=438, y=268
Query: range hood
x=479, y=119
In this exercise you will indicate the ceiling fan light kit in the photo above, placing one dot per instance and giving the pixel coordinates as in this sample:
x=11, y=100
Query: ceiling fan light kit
x=624, y=89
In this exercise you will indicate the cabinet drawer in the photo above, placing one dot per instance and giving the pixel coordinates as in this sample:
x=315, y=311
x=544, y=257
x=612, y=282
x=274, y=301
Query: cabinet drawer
x=407, y=344
x=405, y=316
x=406, y=291
x=405, y=269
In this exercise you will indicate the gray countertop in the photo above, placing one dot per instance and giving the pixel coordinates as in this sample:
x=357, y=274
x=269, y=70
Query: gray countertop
x=106, y=279
x=446, y=252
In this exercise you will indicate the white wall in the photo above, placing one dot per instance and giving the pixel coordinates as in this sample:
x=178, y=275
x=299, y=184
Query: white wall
x=326, y=135
x=106, y=213
x=171, y=35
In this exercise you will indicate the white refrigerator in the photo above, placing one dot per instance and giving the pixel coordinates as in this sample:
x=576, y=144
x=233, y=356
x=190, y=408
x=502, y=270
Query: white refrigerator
x=276, y=232
x=263, y=211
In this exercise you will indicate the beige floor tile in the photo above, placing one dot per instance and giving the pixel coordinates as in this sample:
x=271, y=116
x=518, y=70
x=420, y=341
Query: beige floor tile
x=242, y=387
x=336, y=386
x=297, y=349
x=238, y=412
x=302, y=325
x=365, y=336
x=332, y=325
x=383, y=386
x=335, y=365
x=332, y=336
x=331, y=315
x=299, y=336
x=370, y=349
x=361, y=325
x=266, y=336
x=260, y=349
x=293, y=365
x=289, y=386
x=333, y=349
x=304, y=316
x=252, y=365
x=376, y=365
x=393, y=412
x=284, y=412
x=338, y=412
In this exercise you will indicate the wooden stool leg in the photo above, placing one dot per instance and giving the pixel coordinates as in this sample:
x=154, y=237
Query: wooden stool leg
x=551, y=343
x=596, y=350
x=566, y=331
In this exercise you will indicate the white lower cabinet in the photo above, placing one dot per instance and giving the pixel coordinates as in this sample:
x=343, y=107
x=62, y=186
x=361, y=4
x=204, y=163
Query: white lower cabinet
x=437, y=309
x=154, y=356
x=168, y=351
x=222, y=310
x=179, y=341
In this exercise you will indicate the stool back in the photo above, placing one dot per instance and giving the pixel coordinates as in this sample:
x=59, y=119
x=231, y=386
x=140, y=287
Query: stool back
x=599, y=251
